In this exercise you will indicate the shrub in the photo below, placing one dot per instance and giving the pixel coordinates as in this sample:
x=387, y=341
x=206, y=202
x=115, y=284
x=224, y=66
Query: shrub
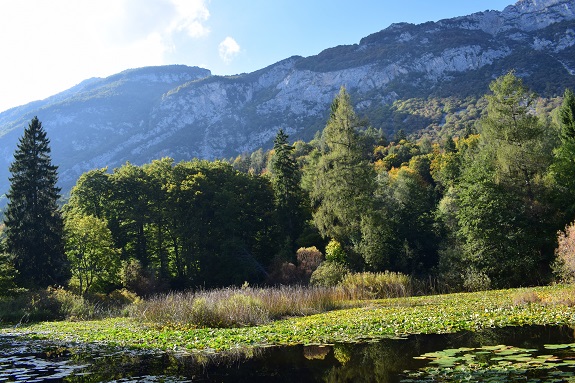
x=328, y=274
x=59, y=304
x=376, y=285
x=564, y=264
x=283, y=272
x=49, y=304
x=476, y=280
x=308, y=260
x=334, y=252
x=136, y=278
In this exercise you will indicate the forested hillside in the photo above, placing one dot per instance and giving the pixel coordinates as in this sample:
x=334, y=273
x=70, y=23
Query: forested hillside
x=481, y=210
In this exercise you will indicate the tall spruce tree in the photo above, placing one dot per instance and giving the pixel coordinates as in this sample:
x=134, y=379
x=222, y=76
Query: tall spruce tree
x=289, y=197
x=34, y=227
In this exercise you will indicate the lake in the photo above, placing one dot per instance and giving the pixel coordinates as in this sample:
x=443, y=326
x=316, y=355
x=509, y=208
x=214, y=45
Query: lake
x=533, y=354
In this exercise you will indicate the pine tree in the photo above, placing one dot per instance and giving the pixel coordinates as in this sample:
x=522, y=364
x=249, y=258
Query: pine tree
x=34, y=225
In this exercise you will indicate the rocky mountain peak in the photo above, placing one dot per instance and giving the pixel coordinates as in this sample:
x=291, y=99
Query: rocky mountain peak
x=529, y=15
x=183, y=112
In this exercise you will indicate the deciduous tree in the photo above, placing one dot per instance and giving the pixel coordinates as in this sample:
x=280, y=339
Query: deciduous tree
x=90, y=250
x=343, y=181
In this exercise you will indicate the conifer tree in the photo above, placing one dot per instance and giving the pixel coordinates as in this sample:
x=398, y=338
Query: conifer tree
x=34, y=225
x=563, y=167
x=503, y=212
x=289, y=197
x=344, y=181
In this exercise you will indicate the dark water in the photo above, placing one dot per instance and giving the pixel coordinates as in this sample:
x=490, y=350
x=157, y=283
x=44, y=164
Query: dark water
x=389, y=360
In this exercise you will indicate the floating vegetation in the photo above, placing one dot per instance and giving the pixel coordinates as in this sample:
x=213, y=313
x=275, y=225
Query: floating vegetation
x=498, y=363
x=529, y=353
x=378, y=319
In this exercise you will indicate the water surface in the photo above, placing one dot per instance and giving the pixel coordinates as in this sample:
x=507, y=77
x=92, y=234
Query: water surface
x=535, y=354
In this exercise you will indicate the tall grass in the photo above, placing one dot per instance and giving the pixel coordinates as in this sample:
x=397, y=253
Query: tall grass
x=376, y=285
x=233, y=307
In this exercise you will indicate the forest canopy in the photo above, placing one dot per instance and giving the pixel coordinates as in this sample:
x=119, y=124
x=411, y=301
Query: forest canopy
x=478, y=209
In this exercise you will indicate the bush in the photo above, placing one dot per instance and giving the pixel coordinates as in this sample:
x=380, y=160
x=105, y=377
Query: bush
x=476, y=280
x=564, y=264
x=328, y=274
x=308, y=260
x=136, y=278
x=49, y=304
x=334, y=252
x=60, y=304
x=376, y=285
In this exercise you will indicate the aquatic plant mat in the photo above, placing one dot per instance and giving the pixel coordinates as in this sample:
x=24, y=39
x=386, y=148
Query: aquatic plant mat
x=526, y=354
x=374, y=320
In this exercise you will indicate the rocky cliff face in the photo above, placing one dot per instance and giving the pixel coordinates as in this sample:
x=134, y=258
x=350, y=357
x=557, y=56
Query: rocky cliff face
x=184, y=112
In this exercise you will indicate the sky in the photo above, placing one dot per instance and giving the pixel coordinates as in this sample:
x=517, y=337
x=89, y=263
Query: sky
x=48, y=46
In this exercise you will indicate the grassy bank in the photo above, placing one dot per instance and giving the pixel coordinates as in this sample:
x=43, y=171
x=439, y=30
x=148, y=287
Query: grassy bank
x=376, y=319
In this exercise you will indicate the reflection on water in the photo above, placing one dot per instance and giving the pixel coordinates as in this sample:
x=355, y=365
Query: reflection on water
x=388, y=360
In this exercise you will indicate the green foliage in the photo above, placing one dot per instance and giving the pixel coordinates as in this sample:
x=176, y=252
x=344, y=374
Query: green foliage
x=375, y=319
x=567, y=116
x=563, y=167
x=290, y=200
x=91, y=193
x=94, y=261
x=493, y=225
x=516, y=137
x=7, y=274
x=376, y=285
x=190, y=224
x=343, y=181
x=504, y=215
x=334, y=252
x=33, y=223
x=329, y=274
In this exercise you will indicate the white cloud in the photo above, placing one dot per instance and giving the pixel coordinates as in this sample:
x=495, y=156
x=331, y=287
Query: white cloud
x=229, y=49
x=192, y=14
x=48, y=46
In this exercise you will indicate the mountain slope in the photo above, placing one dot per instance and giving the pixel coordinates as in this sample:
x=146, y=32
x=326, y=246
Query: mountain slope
x=184, y=112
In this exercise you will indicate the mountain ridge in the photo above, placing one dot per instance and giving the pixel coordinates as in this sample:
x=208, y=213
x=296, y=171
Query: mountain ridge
x=184, y=112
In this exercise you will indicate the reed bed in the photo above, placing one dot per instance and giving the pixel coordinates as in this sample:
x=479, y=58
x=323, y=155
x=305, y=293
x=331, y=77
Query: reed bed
x=376, y=285
x=235, y=307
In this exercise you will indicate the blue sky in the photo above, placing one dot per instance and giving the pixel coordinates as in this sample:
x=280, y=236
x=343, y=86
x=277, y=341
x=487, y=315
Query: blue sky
x=49, y=46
